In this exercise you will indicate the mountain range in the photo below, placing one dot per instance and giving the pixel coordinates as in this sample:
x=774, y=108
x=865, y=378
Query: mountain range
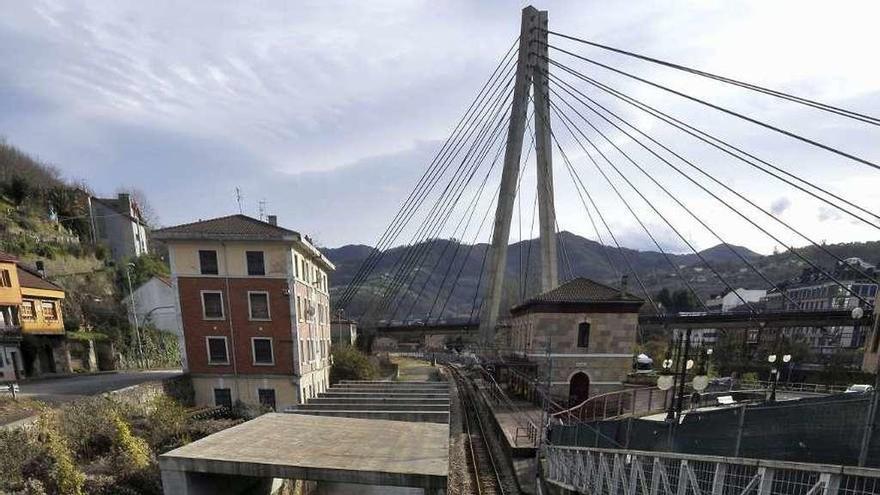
x=419, y=294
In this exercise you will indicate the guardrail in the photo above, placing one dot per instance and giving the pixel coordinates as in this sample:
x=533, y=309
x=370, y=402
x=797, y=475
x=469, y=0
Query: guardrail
x=628, y=472
x=815, y=388
x=635, y=401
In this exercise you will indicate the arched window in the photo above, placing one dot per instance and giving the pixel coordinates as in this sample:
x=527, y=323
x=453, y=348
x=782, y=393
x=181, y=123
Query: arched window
x=584, y=335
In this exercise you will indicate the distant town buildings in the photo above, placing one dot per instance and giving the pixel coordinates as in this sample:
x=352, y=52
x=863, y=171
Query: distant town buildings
x=732, y=300
x=587, y=329
x=118, y=224
x=155, y=305
x=813, y=291
x=254, y=306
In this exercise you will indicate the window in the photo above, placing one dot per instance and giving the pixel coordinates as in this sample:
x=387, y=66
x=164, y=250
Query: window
x=255, y=263
x=217, y=351
x=262, y=347
x=223, y=397
x=5, y=280
x=258, y=305
x=208, y=262
x=28, y=310
x=267, y=397
x=212, y=305
x=584, y=335
x=50, y=312
x=296, y=264
x=299, y=308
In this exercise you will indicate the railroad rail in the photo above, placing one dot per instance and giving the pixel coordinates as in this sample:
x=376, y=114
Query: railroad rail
x=485, y=469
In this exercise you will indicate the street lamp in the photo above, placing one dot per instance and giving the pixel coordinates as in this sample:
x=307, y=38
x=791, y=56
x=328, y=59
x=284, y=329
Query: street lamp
x=787, y=360
x=137, y=329
x=774, y=376
x=666, y=381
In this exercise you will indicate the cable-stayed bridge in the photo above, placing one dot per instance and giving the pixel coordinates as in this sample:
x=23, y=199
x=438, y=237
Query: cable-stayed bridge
x=606, y=124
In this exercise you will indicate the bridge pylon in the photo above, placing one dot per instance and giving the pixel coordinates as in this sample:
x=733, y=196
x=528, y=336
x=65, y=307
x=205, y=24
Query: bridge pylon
x=531, y=75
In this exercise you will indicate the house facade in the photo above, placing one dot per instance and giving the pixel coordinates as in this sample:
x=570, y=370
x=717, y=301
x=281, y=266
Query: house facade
x=11, y=363
x=153, y=303
x=253, y=303
x=118, y=224
x=42, y=324
x=578, y=337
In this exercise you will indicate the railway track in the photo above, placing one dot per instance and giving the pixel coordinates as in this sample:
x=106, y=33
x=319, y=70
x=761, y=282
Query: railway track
x=484, y=467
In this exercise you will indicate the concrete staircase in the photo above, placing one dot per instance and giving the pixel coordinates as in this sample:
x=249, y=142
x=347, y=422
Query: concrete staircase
x=396, y=401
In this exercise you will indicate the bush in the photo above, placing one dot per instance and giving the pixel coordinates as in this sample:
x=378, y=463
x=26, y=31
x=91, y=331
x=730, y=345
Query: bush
x=20, y=448
x=351, y=364
x=132, y=453
x=166, y=420
x=86, y=424
x=64, y=473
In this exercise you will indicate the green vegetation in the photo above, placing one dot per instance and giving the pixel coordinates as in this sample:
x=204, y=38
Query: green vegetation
x=351, y=364
x=98, y=446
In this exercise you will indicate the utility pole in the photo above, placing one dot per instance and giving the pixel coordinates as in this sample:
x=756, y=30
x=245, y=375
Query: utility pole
x=137, y=330
x=533, y=38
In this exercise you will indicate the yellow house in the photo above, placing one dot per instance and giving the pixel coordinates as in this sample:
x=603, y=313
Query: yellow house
x=40, y=304
x=10, y=332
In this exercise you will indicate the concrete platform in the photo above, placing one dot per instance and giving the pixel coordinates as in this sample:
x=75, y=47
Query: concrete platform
x=325, y=449
x=378, y=399
x=386, y=414
x=402, y=395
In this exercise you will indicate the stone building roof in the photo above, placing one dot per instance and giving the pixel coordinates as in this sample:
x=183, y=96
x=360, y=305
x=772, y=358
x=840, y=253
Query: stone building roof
x=233, y=227
x=581, y=294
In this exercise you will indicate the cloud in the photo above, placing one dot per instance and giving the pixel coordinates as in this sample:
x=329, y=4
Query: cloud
x=330, y=110
x=827, y=213
x=779, y=206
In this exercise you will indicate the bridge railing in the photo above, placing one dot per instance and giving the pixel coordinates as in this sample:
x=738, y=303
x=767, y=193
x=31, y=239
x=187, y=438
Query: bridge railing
x=629, y=472
x=636, y=401
x=816, y=388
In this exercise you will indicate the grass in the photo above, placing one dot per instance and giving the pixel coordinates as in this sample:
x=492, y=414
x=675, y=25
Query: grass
x=16, y=409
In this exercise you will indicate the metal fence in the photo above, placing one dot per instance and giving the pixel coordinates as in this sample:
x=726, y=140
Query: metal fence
x=817, y=430
x=628, y=472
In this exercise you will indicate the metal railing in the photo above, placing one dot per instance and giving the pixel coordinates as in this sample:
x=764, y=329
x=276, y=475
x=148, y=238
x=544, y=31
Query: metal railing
x=814, y=388
x=635, y=402
x=627, y=472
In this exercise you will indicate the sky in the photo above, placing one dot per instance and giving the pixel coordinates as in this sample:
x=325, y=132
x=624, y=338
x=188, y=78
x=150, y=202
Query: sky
x=328, y=112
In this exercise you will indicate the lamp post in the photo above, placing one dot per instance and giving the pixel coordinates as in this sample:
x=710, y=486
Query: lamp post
x=137, y=330
x=666, y=380
x=786, y=359
x=774, y=376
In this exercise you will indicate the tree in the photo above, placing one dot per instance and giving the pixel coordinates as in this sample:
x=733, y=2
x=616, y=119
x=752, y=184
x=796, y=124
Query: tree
x=351, y=364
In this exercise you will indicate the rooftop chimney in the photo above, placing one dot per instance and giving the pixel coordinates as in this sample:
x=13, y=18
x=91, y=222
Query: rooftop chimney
x=273, y=220
x=624, y=280
x=41, y=268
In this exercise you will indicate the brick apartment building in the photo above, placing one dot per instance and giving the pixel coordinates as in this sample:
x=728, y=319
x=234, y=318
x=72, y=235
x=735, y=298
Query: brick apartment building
x=253, y=302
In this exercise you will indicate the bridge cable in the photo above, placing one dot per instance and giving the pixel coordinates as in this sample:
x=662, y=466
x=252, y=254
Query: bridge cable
x=578, y=182
x=726, y=147
x=754, y=87
x=745, y=217
x=483, y=95
x=438, y=216
x=670, y=194
x=632, y=211
x=728, y=111
x=486, y=109
x=623, y=176
x=447, y=202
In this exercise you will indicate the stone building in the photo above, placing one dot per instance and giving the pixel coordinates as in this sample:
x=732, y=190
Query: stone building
x=583, y=333
x=118, y=224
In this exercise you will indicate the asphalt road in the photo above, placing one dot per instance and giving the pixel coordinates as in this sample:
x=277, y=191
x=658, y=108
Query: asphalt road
x=73, y=387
